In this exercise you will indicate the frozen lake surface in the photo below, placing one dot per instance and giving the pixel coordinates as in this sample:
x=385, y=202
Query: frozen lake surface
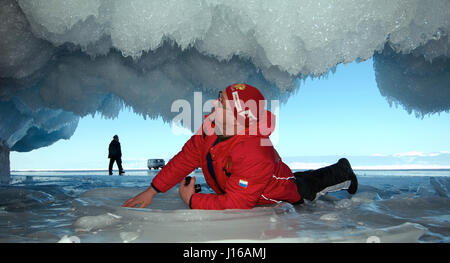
x=85, y=206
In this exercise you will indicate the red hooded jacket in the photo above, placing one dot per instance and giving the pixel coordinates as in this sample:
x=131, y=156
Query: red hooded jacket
x=241, y=171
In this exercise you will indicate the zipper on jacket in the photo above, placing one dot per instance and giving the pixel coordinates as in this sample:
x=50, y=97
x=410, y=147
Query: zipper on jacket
x=211, y=167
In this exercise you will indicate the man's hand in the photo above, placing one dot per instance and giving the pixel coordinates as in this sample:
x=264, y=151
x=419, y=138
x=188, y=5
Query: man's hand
x=143, y=199
x=186, y=191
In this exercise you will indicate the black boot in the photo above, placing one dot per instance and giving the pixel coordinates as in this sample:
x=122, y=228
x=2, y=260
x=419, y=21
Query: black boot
x=314, y=183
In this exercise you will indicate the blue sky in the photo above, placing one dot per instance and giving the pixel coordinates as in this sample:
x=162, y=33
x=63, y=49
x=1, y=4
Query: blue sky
x=342, y=114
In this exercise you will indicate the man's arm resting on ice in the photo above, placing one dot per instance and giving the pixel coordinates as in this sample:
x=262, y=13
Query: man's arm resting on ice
x=180, y=166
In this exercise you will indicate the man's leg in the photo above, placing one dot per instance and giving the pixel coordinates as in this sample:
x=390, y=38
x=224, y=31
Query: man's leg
x=111, y=162
x=339, y=176
x=119, y=165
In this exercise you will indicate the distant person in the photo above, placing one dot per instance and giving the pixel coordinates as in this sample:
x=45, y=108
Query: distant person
x=115, y=155
x=239, y=162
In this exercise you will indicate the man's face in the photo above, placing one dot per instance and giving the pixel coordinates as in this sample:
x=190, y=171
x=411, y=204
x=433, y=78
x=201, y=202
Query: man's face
x=224, y=116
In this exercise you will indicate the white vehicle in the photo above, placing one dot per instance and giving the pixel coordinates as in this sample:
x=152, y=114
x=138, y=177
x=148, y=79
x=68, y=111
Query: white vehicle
x=155, y=163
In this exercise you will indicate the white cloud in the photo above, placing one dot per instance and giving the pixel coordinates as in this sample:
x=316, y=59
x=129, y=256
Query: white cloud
x=401, y=167
x=416, y=154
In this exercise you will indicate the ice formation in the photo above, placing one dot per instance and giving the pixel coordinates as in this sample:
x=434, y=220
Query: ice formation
x=419, y=84
x=60, y=60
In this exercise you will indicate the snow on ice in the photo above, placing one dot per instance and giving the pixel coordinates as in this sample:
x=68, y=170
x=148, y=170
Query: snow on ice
x=74, y=207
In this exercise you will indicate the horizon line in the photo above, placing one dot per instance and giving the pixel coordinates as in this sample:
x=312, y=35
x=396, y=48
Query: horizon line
x=356, y=168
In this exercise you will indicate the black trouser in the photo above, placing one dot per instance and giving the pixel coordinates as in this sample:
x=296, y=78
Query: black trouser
x=119, y=164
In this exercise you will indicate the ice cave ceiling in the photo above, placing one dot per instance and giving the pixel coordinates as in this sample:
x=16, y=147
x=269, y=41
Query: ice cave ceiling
x=62, y=60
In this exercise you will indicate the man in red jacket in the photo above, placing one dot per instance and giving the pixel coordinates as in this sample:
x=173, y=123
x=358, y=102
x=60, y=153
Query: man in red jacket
x=239, y=163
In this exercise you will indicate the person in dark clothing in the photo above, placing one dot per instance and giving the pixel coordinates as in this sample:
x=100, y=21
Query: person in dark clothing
x=115, y=155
